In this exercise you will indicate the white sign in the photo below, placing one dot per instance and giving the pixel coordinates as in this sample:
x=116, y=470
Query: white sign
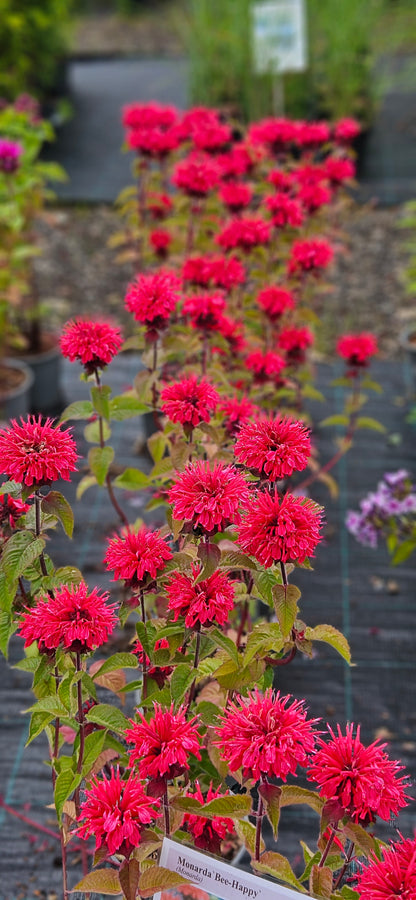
x=278, y=36
x=215, y=879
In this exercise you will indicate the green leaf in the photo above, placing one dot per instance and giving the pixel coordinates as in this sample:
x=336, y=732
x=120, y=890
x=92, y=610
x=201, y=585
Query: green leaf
x=93, y=433
x=262, y=640
x=157, y=444
x=12, y=488
x=99, y=461
x=209, y=555
x=368, y=422
x=231, y=559
x=371, y=385
x=93, y=746
x=286, y=606
x=293, y=795
x=7, y=593
x=81, y=409
x=52, y=705
x=235, y=806
x=101, y=400
x=338, y=419
x=66, y=783
x=247, y=833
x=7, y=628
x=208, y=712
x=117, y=661
x=109, y=717
x=360, y=837
x=20, y=551
x=265, y=582
x=38, y=723
x=270, y=794
x=131, y=480
x=129, y=874
x=55, y=504
x=221, y=640
x=85, y=483
x=68, y=575
x=320, y=882
x=331, y=636
x=157, y=878
x=101, y=881
x=279, y=867
x=181, y=680
x=312, y=393
x=403, y=552
x=126, y=406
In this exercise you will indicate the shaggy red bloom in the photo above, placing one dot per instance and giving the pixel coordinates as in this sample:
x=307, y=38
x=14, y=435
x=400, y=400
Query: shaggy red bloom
x=338, y=169
x=282, y=181
x=212, y=137
x=137, y=556
x=311, y=135
x=204, y=310
x=240, y=160
x=159, y=205
x=266, y=366
x=160, y=240
x=163, y=744
x=244, y=233
x=152, y=298
x=197, y=118
x=391, y=878
x=275, y=301
x=236, y=411
x=295, y=341
x=10, y=153
x=357, y=349
x=32, y=452
x=11, y=508
x=274, y=447
x=282, y=529
x=115, y=811
x=235, y=196
x=73, y=618
x=207, y=834
x=265, y=735
x=196, y=175
x=310, y=256
x=346, y=130
x=149, y=115
x=189, y=401
x=216, y=271
x=93, y=343
x=308, y=174
x=313, y=196
x=208, y=497
x=285, y=211
x=363, y=780
x=277, y=134
x=153, y=142
x=201, y=602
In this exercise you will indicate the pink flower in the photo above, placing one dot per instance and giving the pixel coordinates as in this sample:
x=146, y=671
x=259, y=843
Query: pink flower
x=37, y=453
x=197, y=175
x=393, y=877
x=136, y=557
x=235, y=196
x=10, y=153
x=339, y=169
x=208, y=497
x=207, y=834
x=277, y=134
x=313, y=196
x=357, y=349
x=115, y=811
x=163, y=745
x=204, y=310
x=310, y=256
x=159, y=205
x=295, y=341
x=363, y=780
x=233, y=332
x=312, y=135
x=160, y=240
x=346, y=130
x=11, y=508
x=93, y=343
x=73, y=619
x=239, y=161
x=266, y=366
x=149, y=115
x=281, y=180
x=216, y=271
x=189, y=401
x=152, y=298
x=282, y=529
x=206, y=602
x=237, y=411
x=274, y=447
x=211, y=137
x=285, y=211
x=275, y=301
x=265, y=735
x=244, y=233
x=153, y=142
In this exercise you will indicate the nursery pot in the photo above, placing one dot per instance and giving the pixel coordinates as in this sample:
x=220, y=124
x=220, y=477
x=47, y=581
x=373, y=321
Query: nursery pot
x=46, y=393
x=16, y=381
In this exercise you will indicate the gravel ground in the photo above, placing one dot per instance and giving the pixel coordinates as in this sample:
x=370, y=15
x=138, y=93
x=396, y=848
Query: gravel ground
x=77, y=273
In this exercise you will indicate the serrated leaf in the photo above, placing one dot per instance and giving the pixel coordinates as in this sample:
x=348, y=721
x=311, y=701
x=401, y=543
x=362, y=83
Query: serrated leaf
x=101, y=400
x=157, y=878
x=265, y=582
x=116, y=661
x=66, y=783
x=208, y=712
x=157, y=444
x=286, y=606
x=81, y=409
x=68, y=575
x=12, y=488
x=332, y=636
x=369, y=422
x=101, y=881
x=360, y=837
x=99, y=461
x=247, y=833
x=270, y=794
x=38, y=723
x=262, y=640
x=131, y=480
x=181, y=680
x=221, y=640
x=231, y=559
x=233, y=806
x=209, y=555
x=126, y=406
x=20, y=551
x=320, y=882
x=338, y=419
x=275, y=864
x=7, y=593
x=86, y=482
x=55, y=504
x=93, y=746
x=293, y=795
x=51, y=705
x=109, y=717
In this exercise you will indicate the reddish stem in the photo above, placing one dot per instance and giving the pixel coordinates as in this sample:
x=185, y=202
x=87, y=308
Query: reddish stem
x=123, y=518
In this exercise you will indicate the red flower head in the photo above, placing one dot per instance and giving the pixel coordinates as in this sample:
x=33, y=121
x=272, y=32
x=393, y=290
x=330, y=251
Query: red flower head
x=357, y=349
x=362, y=780
x=10, y=153
x=149, y=115
x=73, y=619
x=282, y=181
x=274, y=447
x=233, y=332
x=235, y=196
x=310, y=256
x=311, y=135
x=241, y=160
x=266, y=366
x=204, y=310
x=295, y=341
x=391, y=878
x=275, y=301
x=159, y=205
x=276, y=134
x=162, y=745
x=211, y=137
x=285, y=211
x=236, y=412
x=313, y=196
x=215, y=271
x=160, y=240
x=153, y=142
x=158, y=673
x=208, y=497
x=198, y=118
x=115, y=811
x=93, y=343
x=346, y=130
x=244, y=233
x=152, y=298
x=36, y=453
x=281, y=529
x=137, y=557
x=207, y=834
x=11, y=508
x=338, y=169
x=197, y=175
x=206, y=602
x=189, y=401
x=308, y=174
x=266, y=736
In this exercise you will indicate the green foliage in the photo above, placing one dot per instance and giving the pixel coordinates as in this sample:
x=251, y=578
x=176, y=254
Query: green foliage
x=33, y=43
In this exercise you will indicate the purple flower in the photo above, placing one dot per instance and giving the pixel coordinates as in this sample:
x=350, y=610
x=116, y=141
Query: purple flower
x=10, y=153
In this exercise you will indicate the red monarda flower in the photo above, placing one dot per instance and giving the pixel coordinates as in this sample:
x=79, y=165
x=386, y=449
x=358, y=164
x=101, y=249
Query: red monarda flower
x=206, y=602
x=265, y=735
x=196, y=175
x=308, y=174
x=149, y=115
x=235, y=196
x=357, y=349
x=313, y=196
x=240, y=161
x=280, y=529
x=211, y=137
x=204, y=310
x=207, y=834
x=363, y=780
x=160, y=240
x=275, y=301
x=32, y=452
x=338, y=169
x=152, y=298
x=391, y=878
x=153, y=142
x=197, y=118
x=236, y=411
x=346, y=130
x=208, y=497
x=189, y=401
x=310, y=256
x=274, y=447
x=276, y=134
x=215, y=271
x=73, y=618
x=311, y=135
x=115, y=811
x=244, y=233
x=163, y=744
x=11, y=508
x=281, y=180
x=135, y=557
x=159, y=205
x=284, y=210
x=295, y=341
x=93, y=343
x=266, y=366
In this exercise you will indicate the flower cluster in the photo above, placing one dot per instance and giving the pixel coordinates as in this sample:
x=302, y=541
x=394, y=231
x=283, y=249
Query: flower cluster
x=390, y=510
